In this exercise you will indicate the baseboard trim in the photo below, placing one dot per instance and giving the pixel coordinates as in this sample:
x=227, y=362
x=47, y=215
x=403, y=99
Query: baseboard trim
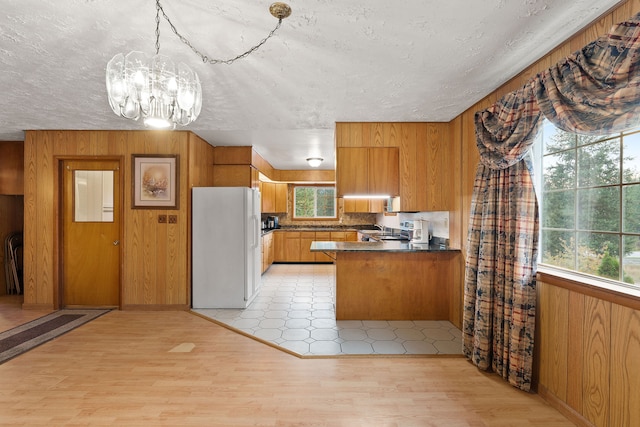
x=562, y=407
x=31, y=306
x=155, y=307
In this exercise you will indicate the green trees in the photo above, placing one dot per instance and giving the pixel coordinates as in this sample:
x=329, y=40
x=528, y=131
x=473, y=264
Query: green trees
x=590, y=200
x=315, y=202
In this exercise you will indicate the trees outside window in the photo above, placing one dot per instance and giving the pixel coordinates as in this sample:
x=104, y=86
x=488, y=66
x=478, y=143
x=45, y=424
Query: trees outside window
x=590, y=203
x=314, y=202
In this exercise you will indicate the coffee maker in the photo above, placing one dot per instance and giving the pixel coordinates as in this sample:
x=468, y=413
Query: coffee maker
x=421, y=232
x=272, y=222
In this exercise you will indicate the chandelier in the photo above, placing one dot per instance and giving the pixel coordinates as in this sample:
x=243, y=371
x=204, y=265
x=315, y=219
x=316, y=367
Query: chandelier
x=154, y=89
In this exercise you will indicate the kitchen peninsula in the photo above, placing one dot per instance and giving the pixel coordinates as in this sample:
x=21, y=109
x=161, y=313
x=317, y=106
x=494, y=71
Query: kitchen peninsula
x=391, y=280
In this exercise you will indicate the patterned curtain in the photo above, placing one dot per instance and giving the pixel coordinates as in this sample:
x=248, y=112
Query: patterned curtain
x=594, y=91
x=500, y=294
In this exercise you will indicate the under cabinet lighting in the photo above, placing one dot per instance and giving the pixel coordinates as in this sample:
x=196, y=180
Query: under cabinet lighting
x=366, y=196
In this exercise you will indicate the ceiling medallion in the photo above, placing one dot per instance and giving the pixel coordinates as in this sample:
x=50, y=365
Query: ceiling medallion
x=154, y=89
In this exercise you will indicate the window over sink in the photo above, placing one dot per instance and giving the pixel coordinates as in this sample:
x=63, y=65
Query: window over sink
x=314, y=202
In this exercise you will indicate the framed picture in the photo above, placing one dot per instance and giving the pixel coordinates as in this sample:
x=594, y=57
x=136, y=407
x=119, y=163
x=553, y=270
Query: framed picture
x=155, y=181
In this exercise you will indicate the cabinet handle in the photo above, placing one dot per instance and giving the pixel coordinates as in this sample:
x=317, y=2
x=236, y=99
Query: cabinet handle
x=116, y=242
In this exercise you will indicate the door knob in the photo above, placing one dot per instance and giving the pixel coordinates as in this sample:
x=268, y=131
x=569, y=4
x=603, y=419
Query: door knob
x=116, y=242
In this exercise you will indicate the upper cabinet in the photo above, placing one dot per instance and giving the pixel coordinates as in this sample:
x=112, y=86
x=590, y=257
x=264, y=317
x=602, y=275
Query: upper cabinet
x=12, y=168
x=367, y=170
x=425, y=167
x=410, y=160
x=273, y=197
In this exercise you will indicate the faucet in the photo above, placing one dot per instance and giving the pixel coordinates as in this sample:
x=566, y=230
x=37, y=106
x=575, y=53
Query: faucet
x=381, y=227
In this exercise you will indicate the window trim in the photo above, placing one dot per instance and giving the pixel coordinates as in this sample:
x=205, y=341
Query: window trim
x=323, y=218
x=557, y=274
x=592, y=286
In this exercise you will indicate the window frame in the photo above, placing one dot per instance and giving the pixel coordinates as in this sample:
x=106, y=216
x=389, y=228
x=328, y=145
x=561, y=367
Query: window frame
x=547, y=271
x=315, y=218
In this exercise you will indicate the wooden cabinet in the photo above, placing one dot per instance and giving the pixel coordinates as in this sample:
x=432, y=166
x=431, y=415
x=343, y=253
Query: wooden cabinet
x=323, y=236
x=12, y=168
x=289, y=250
x=267, y=251
x=294, y=246
x=371, y=170
x=363, y=205
x=423, y=158
x=273, y=196
x=425, y=168
x=306, y=237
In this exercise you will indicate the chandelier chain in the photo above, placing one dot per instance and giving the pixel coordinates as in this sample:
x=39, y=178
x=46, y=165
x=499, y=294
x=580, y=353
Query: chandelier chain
x=202, y=56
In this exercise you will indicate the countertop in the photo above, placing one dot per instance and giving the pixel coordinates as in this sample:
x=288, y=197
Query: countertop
x=388, y=246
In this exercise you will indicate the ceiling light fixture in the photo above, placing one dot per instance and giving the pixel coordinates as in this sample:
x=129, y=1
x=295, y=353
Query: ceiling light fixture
x=157, y=91
x=314, y=162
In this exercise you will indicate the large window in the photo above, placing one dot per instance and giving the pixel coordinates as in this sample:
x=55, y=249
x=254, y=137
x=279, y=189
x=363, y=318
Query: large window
x=314, y=202
x=590, y=203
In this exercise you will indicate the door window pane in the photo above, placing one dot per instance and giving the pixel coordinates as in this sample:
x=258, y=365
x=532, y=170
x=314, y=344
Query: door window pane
x=93, y=196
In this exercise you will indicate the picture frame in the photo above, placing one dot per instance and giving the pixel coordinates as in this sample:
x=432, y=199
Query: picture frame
x=155, y=181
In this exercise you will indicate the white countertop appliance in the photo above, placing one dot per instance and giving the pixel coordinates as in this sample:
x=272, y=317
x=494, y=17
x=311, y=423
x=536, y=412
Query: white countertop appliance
x=420, y=231
x=226, y=248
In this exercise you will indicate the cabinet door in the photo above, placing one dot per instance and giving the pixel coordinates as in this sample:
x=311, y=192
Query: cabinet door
x=306, y=237
x=281, y=195
x=270, y=255
x=323, y=236
x=355, y=205
x=268, y=197
x=278, y=246
x=352, y=169
x=292, y=246
x=384, y=166
x=351, y=236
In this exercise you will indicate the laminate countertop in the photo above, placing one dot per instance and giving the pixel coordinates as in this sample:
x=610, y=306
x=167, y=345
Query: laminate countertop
x=387, y=246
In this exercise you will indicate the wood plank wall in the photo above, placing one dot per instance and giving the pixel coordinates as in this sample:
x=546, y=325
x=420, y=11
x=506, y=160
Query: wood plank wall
x=155, y=257
x=588, y=365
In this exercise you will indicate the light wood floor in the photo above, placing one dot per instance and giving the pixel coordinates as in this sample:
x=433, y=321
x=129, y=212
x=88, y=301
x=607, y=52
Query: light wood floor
x=120, y=370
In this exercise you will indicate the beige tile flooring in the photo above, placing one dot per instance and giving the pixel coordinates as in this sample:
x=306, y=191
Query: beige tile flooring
x=295, y=310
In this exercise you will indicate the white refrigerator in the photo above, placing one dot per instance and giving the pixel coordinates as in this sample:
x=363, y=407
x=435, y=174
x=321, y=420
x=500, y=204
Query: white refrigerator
x=226, y=249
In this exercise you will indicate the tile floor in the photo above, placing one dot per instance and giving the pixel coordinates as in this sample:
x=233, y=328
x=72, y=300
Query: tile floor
x=295, y=310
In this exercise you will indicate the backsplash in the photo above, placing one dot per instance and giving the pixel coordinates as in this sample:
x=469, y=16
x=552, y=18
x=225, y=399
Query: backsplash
x=438, y=221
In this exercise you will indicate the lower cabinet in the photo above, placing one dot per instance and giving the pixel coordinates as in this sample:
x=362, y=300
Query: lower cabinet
x=267, y=251
x=295, y=246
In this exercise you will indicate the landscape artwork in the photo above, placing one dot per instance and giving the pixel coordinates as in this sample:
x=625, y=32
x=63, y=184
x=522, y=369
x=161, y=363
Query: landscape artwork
x=154, y=181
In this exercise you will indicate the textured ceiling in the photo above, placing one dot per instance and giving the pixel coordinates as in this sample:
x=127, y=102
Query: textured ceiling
x=364, y=60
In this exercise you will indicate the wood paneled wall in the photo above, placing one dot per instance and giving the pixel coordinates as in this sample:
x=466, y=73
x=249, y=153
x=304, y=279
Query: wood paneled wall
x=155, y=257
x=588, y=347
x=588, y=351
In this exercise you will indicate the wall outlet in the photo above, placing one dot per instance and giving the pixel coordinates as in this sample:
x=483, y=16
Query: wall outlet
x=173, y=219
x=162, y=219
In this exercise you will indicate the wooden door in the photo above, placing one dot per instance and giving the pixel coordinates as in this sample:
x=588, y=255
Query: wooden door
x=91, y=201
